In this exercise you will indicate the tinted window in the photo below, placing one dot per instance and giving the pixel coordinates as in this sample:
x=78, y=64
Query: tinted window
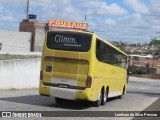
x=108, y=54
x=70, y=41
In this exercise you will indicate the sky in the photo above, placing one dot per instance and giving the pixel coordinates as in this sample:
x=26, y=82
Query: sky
x=113, y=20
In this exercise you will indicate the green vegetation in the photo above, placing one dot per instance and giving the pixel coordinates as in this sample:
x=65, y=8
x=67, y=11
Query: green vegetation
x=141, y=71
x=11, y=57
x=154, y=41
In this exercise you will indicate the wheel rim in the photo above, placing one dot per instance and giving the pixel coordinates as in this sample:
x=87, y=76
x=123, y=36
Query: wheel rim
x=106, y=95
x=105, y=98
x=100, y=98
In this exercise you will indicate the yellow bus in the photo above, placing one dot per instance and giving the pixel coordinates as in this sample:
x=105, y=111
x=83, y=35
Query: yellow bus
x=79, y=65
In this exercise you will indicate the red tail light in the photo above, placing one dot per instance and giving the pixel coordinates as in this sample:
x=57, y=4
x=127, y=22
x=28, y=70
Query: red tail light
x=41, y=75
x=89, y=81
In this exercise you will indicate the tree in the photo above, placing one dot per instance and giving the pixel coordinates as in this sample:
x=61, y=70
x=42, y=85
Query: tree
x=154, y=41
x=157, y=52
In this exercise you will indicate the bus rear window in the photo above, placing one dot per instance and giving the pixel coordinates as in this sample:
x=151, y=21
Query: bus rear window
x=69, y=41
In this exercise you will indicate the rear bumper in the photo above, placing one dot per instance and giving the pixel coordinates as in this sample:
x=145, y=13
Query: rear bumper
x=65, y=93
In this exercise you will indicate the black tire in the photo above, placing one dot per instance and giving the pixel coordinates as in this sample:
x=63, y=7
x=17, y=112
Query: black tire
x=104, y=97
x=106, y=94
x=120, y=97
x=99, y=101
x=58, y=100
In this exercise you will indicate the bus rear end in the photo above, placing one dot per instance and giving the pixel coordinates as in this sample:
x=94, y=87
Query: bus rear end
x=65, y=65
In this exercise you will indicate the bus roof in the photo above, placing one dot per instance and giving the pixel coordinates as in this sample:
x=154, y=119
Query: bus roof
x=72, y=30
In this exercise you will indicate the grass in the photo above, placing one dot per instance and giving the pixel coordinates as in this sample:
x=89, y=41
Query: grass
x=12, y=57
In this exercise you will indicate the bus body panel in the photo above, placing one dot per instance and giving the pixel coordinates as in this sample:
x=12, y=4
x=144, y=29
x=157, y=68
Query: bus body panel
x=110, y=76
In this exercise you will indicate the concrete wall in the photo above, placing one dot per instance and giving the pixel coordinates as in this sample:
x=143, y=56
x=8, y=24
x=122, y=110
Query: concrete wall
x=39, y=40
x=19, y=74
x=15, y=41
x=38, y=32
x=158, y=71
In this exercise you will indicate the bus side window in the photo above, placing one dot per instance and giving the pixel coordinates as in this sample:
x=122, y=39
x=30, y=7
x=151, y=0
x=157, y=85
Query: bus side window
x=98, y=45
x=99, y=50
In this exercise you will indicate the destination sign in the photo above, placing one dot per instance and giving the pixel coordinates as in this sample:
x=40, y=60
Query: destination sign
x=66, y=24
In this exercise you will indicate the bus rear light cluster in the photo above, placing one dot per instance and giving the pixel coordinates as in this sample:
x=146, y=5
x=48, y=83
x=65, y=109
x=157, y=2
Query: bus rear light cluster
x=89, y=81
x=41, y=75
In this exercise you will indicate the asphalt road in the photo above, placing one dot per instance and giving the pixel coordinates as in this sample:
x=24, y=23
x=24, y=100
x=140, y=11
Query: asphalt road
x=142, y=95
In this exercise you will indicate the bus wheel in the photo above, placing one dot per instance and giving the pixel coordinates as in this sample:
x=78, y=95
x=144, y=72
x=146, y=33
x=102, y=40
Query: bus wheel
x=120, y=97
x=58, y=100
x=104, y=97
x=99, y=101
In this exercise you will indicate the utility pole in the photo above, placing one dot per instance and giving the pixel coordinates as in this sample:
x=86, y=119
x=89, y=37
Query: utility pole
x=27, y=10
